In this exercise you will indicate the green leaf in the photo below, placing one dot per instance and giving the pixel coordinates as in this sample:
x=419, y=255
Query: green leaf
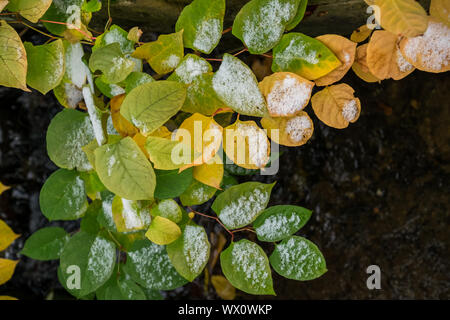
x=163, y=231
x=112, y=63
x=298, y=258
x=303, y=55
x=45, y=244
x=164, y=54
x=168, y=209
x=63, y=197
x=29, y=9
x=92, y=184
x=13, y=65
x=202, y=22
x=124, y=169
x=240, y=205
x=46, y=65
x=149, y=265
x=135, y=79
x=246, y=266
x=121, y=288
x=171, y=184
x=92, y=6
x=114, y=35
x=160, y=151
x=190, y=68
x=261, y=23
x=197, y=193
x=299, y=16
x=89, y=222
x=190, y=252
x=150, y=105
x=105, y=215
x=94, y=256
x=196, y=73
x=61, y=11
x=67, y=133
x=237, y=87
x=279, y=222
x=130, y=215
x=108, y=89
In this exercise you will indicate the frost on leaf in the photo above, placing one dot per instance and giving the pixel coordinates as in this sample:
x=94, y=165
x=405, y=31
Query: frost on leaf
x=130, y=215
x=150, y=266
x=299, y=259
x=202, y=22
x=190, y=68
x=240, y=205
x=336, y=106
x=260, y=24
x=293, y=131
x=286, y=93
x=190, y=253
x=164, y=54
x=247, y=145
x=303, y=55
x=431, y=51
x=236, y=86
x=246, y=266
x=279, y=222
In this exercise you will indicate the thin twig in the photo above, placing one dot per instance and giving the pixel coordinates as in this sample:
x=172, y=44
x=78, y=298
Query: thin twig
x=243, y=50
x=227, y=30
x=214, y=218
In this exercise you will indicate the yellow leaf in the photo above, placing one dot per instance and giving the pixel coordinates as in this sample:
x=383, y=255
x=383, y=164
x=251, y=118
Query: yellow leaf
x=204, y=136
x=140, y=140
x=402, y=17
x=223, y=288
x=429, y=52
x=3, y=188
x=292, y=132
x=440, y=9
x=7, y=268
x=164, y=54
x=7, y=298
x=336, y=106
x=162, y=132
x=360, y=65
x=122, y=125
x=7, y=236
x=344, y=50
x=3, y=4
x=210, y=173
x=162, y=231
x=134, y=34
x=247, y=145
x=286, y=93
x=384, y=58
x=361, y=34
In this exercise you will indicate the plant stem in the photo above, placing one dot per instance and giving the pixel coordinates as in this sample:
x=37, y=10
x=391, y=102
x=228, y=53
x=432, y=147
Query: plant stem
x=214, y=218
x=243, y=50
x=227, y=30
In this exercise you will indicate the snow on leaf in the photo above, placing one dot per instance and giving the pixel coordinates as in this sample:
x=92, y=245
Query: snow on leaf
x=240, y=205
x=431, y=51
x=299, y=259
x=237, y=87
x=246, y=266
x=286, y=93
